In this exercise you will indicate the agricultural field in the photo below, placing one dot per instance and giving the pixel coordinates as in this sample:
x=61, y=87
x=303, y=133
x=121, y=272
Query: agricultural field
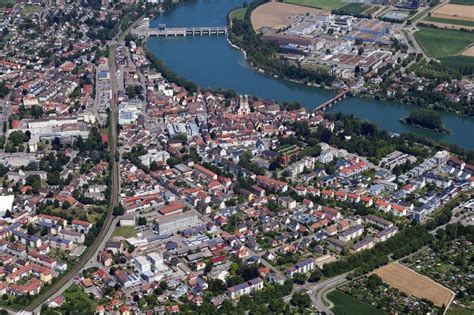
x=466, y=2
x=373, y=291
x=277, y=14
x=451, y=266
x=412, y=283
x=371, y=10
x=469, y=52
x=353, y=9
x=346, y=304
x=327, y=5
x=440, y=43
x=464, y=64
x=454, y=11
x=449, y=21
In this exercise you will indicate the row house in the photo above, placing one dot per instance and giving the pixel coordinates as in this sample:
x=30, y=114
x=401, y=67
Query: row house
x=272, y=184
x=366, y=243
x=81, y=226
x=301, y=267
x=387, y=233
x=248, y=287
x=351, y=233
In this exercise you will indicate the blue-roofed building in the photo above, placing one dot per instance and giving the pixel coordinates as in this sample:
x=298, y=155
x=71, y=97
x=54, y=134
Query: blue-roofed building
x=248, y=287
x=301, y=267
x=57, y=242
x=7, y=231
x=28, y=240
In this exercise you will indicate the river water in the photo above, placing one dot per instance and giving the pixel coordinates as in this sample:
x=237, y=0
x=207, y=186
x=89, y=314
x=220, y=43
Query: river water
x=211, y=62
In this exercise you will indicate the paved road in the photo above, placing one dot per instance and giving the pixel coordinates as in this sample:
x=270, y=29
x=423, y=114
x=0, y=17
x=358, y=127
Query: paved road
x=317, y=291
x=410, y=30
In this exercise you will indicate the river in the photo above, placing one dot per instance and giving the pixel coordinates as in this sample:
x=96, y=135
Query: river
x=211, y=62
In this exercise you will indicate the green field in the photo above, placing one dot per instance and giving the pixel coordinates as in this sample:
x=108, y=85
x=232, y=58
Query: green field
x=238, y=14
x=463, y=64
x=449, y=21
x=320, y=4
x=347, y=305
x=371, y=10
x=468, y=2
x=125, y=231
x=7, y=3
x=457, y=310
x=76, y=300
x=440, y=43
x=31, y=8
x=353, y=9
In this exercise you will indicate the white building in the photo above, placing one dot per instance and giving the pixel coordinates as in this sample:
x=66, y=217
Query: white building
x=6, y=203
x=142, y=264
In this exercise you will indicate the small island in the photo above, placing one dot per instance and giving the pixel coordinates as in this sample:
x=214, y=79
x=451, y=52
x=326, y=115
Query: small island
x=426, y=119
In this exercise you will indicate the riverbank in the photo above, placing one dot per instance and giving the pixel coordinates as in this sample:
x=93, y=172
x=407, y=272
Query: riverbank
x=262, y=57
x=212, y=63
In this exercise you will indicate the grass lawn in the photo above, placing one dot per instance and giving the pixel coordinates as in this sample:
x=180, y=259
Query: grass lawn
x=440, y=43
x=238, y=14
x=31, y=8
x=449, y=21
x=125, y=231
x=320, y=4
x=78, y=301
x=7, y=38
x=345, y=304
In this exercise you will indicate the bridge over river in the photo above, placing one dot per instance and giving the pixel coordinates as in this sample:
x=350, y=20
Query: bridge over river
x=182, y=31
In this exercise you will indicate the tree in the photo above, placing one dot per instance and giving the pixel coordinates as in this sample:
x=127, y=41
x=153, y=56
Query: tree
x=299, y=278
x=374, y=281
x=301, y=300
x=54, y=178
x=142, y=221
x=315, y=276
x=217, y=286
x=118, y=210
x=17, y=137
x=151, y=299
x=163, y=285
x=30, y=230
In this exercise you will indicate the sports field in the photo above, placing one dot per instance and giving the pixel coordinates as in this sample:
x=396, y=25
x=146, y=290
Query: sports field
x=440, y=43
x=345, y=304
x=320, y=4
x=412, y=283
